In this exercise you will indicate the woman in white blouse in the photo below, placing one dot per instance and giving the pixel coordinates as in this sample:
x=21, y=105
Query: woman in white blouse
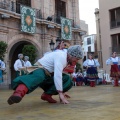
x=92, y=73
x=114, y=61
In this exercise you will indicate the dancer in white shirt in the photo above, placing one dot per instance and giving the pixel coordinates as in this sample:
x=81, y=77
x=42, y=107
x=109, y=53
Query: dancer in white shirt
x=92, y=73
x=18, y=65
x=49, y=74
x=27, y=63
x=2, y=68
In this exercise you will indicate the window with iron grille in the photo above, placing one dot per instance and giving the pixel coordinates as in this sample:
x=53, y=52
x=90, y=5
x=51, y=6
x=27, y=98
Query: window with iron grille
x=60, y=10
x=115, y=18
x=23, y=2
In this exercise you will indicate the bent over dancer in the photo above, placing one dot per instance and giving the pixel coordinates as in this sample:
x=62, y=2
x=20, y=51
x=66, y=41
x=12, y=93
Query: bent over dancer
x=48, y=76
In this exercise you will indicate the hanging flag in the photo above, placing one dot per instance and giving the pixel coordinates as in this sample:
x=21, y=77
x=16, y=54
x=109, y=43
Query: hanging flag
x=28, y=19
x=66, y=28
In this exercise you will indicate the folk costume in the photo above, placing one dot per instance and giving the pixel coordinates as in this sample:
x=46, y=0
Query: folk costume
x=92, y=73
x=74, y=76
x=79, y=79
x=27, y=63
x=19, y=63
x=49, y=76
x=2, y=68
x=115, y=70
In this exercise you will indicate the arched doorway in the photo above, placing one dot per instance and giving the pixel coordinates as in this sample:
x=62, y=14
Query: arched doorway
x=15, y=50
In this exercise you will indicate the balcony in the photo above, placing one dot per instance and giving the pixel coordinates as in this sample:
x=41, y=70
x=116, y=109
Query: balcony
x=15, y=7
x=57, y=19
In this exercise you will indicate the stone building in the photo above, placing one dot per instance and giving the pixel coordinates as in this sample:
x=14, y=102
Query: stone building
x=90, y=46
x=47, y=27
x=108, y=30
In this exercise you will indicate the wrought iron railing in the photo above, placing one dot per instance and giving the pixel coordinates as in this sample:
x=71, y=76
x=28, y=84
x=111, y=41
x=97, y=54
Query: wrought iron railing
x=5, y=5
x=57, y=19
x=15, y=7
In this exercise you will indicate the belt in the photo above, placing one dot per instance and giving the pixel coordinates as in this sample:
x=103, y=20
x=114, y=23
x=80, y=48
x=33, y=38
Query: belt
x=91, y=65
x=33, y=68
x=46, y=71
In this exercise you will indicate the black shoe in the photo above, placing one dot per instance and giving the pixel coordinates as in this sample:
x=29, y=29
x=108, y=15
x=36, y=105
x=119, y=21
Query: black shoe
x=14, y=99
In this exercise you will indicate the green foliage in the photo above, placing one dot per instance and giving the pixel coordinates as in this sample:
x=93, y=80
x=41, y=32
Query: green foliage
x=3, y=48
x=30, y=51
x=78, y=67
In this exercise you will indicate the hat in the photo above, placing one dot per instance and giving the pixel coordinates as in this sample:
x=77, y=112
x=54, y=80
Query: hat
x=26, y=57
x=75, y=51
x=20, y=55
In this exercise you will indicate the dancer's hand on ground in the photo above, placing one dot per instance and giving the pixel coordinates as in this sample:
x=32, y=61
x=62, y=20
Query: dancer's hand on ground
x=63, y=99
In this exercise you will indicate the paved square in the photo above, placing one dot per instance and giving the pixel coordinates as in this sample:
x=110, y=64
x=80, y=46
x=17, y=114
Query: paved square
x=99, y=103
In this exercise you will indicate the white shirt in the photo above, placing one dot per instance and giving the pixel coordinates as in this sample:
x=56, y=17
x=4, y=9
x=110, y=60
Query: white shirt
x=27, y=64
x=84, y=74
x=55, y=62
x=18, y=64
x=92, y=62
x=2, y=64
x=79, y=74
x=74, y=75
x=112, y=60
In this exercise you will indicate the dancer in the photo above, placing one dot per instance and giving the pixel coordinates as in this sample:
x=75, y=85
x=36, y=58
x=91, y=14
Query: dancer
x=92, y=73
x=114, y=71
x=2, y=68
x=18, y=65
x=27, y=62
x=48, y=76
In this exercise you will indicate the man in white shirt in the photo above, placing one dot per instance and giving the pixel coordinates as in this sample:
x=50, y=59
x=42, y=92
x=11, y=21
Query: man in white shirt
x=2, y=68
x=27, y=62
x=53, y=83
x=18, y=65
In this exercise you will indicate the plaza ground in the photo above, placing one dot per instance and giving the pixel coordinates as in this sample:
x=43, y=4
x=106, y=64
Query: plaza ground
x=99, y=103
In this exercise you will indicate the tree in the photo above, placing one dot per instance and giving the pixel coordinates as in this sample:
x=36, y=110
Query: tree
x=3, y=48
x=30, y=51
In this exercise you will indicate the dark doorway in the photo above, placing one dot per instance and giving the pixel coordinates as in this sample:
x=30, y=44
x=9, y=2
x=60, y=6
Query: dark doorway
x=16, y=49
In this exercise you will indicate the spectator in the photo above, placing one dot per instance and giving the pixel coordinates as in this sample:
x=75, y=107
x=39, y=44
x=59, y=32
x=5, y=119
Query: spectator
x=2, y=68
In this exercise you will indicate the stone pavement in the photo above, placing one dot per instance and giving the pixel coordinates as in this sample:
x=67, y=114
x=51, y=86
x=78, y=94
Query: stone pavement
x=99, y=103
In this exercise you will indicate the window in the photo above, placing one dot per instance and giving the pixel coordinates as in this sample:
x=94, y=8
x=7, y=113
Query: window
x=88, y=41
x=60, y=9
x=23, y=2
x=89, y=49
x=115, y=17
x=59, y=33
x=116, y=43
